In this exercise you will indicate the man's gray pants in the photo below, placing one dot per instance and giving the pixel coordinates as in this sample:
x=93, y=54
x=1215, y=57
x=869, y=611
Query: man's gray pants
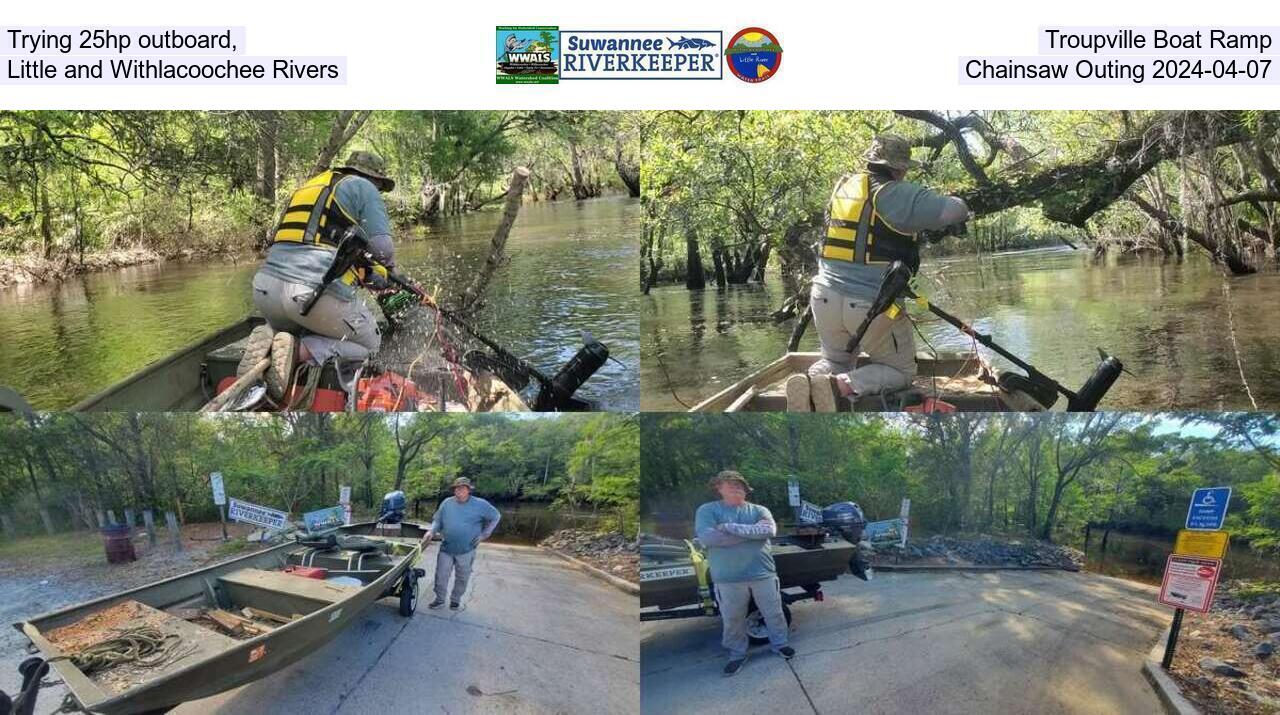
x=334, y=328
x=734, y=599
x=460, y=566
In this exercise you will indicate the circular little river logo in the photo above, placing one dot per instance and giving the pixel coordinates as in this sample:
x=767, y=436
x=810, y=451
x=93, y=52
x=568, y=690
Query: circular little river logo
x=753, y=54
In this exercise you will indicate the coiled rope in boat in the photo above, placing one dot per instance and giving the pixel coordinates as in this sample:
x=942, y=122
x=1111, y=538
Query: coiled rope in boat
x=147, y=646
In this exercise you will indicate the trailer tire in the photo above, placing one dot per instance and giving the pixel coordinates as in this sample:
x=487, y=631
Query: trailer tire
x=409, y=595
x=757, y=633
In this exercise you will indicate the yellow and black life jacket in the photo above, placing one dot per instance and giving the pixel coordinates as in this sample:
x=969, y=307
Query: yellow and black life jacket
x=314, y=215
x=857, y=233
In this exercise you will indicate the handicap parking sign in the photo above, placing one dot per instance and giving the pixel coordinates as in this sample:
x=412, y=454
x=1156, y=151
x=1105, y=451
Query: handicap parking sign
x=1208, y=508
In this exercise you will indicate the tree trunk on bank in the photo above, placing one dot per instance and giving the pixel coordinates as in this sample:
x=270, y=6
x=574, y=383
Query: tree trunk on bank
x=717, y=261
x=47, y=519
x=694, y=279
x=580, y=190
x=1226, y=252
x=763, y=261
x=345, y=126
x=628, y=171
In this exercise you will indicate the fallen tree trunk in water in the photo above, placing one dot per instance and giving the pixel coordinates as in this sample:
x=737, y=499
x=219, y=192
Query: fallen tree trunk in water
x=497, y=245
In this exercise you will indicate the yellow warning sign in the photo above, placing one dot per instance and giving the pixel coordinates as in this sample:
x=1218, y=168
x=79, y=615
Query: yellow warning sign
x=1206, y=544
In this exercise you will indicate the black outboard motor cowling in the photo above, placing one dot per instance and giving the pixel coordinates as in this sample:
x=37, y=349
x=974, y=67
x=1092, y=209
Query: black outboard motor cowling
x=847, y=518
x=393, y=508
x=557, y=396
x=1096, y=387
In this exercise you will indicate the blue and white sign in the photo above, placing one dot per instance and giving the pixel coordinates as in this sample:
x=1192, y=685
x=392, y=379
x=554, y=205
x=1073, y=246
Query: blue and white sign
x=324, y=519
x=1208, y=508
x=251, y=513
x=641, y=54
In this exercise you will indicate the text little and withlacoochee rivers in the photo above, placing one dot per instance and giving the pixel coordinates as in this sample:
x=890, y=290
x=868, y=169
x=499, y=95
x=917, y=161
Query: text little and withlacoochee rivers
x=157, y=69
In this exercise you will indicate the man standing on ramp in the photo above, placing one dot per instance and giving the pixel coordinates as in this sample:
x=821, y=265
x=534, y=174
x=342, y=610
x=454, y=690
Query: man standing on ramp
x=463, y=521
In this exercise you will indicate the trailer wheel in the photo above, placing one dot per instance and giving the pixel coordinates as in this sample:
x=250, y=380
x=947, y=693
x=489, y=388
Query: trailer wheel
x=409, y=594
x=757, y=631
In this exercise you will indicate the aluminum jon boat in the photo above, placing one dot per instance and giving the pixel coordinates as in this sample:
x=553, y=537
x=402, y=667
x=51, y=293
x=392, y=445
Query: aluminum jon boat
x=233, y=623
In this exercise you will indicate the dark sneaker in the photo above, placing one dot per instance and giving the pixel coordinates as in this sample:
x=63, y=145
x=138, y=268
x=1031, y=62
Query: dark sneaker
x=732, y=667
x=454, y=605
x=786, y=651
x=436, y=603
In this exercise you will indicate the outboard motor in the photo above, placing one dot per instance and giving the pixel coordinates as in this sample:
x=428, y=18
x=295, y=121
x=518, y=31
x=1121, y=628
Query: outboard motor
x=1095, y=388
x=393, y=507
x=558, y=395
x=847, y=518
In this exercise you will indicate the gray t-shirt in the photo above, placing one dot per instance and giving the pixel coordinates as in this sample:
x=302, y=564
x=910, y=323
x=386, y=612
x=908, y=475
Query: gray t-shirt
x=461, y=524
x=306, y=264
x=905, y=206
x=747, y=561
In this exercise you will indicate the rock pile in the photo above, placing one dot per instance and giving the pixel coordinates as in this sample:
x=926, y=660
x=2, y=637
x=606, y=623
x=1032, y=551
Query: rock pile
x=612, y=553
x=983, y=550
x=1227, y=662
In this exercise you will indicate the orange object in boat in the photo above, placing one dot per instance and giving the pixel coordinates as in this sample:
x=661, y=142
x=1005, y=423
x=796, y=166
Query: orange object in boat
x=931, y=405
x=388, y=392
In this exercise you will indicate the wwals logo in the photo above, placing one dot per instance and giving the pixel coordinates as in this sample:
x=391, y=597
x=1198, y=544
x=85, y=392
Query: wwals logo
x=528, y=54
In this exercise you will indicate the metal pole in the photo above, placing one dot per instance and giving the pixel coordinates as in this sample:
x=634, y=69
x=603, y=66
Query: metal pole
x=1173, y=639
x=222, y=517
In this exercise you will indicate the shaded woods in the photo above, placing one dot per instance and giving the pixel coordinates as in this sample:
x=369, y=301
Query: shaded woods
x=65, y=471
x=1046, y=476
x=86, y=189
x=728, y=192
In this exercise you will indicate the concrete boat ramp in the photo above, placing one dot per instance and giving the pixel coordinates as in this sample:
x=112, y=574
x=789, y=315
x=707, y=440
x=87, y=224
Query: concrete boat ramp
x=930, y=642
x=535, y=635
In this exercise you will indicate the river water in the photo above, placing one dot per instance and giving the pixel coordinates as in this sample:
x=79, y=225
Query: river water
x=1168, y=320
x=572, y=268
x=526, y=522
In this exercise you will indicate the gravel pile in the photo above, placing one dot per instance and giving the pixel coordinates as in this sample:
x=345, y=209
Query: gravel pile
x=982, y=550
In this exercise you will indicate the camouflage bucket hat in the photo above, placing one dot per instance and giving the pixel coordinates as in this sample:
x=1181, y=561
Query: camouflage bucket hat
x=892, y=151
x=461, y=482
x=729, y=475
x=367, y=163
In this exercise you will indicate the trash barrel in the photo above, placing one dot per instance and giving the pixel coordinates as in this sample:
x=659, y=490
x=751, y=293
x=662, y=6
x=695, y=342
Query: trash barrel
x=118, y=543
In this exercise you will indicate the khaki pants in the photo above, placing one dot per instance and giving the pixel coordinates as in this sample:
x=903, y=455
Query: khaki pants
x=460, y=566
x=888, y=343
x=334, y=328
x=735, y=599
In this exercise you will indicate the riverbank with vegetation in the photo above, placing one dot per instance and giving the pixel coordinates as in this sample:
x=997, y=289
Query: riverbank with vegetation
x=1033, y=479
x=730, y=193
x=89, y=190
x=63, y=472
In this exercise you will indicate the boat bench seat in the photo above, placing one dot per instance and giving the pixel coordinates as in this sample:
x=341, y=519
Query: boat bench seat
x=280, y=592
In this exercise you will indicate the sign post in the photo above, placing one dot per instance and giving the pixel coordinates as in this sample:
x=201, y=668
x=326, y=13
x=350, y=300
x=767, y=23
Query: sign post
x=220, y=500
x=344, y=499
x=1192, y=571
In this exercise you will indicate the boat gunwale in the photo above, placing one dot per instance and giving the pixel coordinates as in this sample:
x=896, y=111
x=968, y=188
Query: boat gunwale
x=758, y=379
x=93, y=402
x=103, y=701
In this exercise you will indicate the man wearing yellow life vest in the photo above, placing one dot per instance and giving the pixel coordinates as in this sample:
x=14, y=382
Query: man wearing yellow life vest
x=872, y=220
x=339, y=326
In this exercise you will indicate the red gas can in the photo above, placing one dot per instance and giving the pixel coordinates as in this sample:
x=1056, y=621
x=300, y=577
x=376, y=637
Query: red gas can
x=307, y=571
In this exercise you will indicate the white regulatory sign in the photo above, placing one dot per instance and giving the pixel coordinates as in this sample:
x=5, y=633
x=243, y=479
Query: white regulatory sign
x=1189, y=582
x=255, y=514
